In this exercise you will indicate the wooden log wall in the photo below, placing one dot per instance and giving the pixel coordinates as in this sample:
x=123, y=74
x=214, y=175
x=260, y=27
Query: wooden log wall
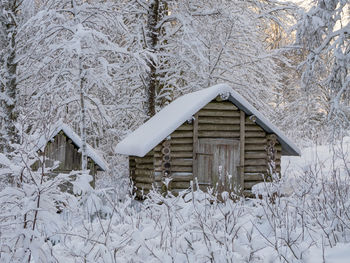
x=255, y=154
x=62, y=149
x=144, y=173
x=181, y=158
x=218, y=119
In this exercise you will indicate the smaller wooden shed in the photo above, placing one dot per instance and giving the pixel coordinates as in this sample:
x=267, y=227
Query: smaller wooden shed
x=61, y=143
x=213, y=135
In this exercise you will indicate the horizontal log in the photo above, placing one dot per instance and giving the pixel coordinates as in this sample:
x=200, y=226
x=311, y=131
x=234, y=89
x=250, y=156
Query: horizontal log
x=249, y=185
x=145, y=166
x=185, y=127
x=220, y=106
x=255, y=169
x=255, y=155
x=248, y=121
x=216, y=127
x=218, y=120
x=182, y=148
x=255, y=147
x=278, y=162
x=143, y=186
x=256, y=134
x=146, y=173
x=256, y=140
x=177, y=162
x=215, y=112
x=182, y=178
x=181, y=141
x=253, y=127
x=253, y=177
x=176, y=168
x=182, y=134
x=176, y=155
x=142, y=179
x=140, y=194
x=157, y=148
x=218, y=134
x=140, y=160
x=250, y=162
x=181, y=185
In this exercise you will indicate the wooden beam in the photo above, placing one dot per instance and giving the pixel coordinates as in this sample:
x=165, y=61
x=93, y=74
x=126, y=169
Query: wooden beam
x=181, y=141
x=195, y=142
x=215, y=113
x=242, y=147
x=181, y=134
x=256, y=155
x=218, y=120
x=185, y=127
x=220, y=127
x=220, y=106
x=175, y=155
x=218, y=134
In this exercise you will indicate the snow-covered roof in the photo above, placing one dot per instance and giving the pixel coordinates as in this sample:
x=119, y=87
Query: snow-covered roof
x=156, y=129
x=68, y=131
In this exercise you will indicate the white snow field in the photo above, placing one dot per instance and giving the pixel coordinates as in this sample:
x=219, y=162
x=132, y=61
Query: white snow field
x=304, y=217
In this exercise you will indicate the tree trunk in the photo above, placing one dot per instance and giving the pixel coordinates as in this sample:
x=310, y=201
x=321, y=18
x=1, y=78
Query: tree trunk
x=152, y=42
x=9, y=83
x=83, y=117
x=82, y=96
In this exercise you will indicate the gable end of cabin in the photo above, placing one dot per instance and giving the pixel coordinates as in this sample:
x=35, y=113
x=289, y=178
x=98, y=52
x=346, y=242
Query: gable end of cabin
x=219, y=131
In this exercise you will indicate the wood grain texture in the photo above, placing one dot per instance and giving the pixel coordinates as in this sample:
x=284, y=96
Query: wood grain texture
x=220, y=106
x=242, y=141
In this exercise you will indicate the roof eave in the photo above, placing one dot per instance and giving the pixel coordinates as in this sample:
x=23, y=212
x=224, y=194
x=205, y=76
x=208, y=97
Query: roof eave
x=287, y=150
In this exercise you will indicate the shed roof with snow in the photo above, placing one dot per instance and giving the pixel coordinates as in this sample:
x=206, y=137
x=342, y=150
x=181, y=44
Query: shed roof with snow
x=213, y=135
x=63, y=152
x=151, y=133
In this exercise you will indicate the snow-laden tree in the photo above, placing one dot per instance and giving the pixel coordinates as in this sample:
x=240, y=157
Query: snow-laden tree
x=36, y=213
x=195, y=44
x=323, y=36
x=13, y=14
x=72, y=64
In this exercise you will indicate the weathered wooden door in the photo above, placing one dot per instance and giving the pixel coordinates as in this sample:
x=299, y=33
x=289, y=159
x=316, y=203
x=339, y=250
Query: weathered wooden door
x=217, y=163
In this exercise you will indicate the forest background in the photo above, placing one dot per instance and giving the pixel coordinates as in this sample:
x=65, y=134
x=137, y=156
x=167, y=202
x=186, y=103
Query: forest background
x=104, y=67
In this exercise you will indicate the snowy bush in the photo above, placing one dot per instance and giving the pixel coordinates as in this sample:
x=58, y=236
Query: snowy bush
x=303, y=217
x=33, y=207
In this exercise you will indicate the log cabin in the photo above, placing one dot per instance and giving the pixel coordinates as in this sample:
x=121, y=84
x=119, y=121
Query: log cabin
x=61, y=143
x=212, y=137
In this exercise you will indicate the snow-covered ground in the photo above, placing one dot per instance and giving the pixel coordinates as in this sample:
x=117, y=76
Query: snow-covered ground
x=325, y=157
x=304, y=217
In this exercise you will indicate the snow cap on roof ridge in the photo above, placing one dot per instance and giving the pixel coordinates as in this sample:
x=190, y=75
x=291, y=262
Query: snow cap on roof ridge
x=161, y=125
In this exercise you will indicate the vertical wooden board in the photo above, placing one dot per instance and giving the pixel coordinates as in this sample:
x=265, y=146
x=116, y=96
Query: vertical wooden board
x=204, y=164
x=157, y=161
x=132, y=166
x=242, y=149
x=61, y=150
x=48, y=154
x=213, y=153
x=238, y=177
x=194, y=146
x=69, y=156
x=77, y=159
